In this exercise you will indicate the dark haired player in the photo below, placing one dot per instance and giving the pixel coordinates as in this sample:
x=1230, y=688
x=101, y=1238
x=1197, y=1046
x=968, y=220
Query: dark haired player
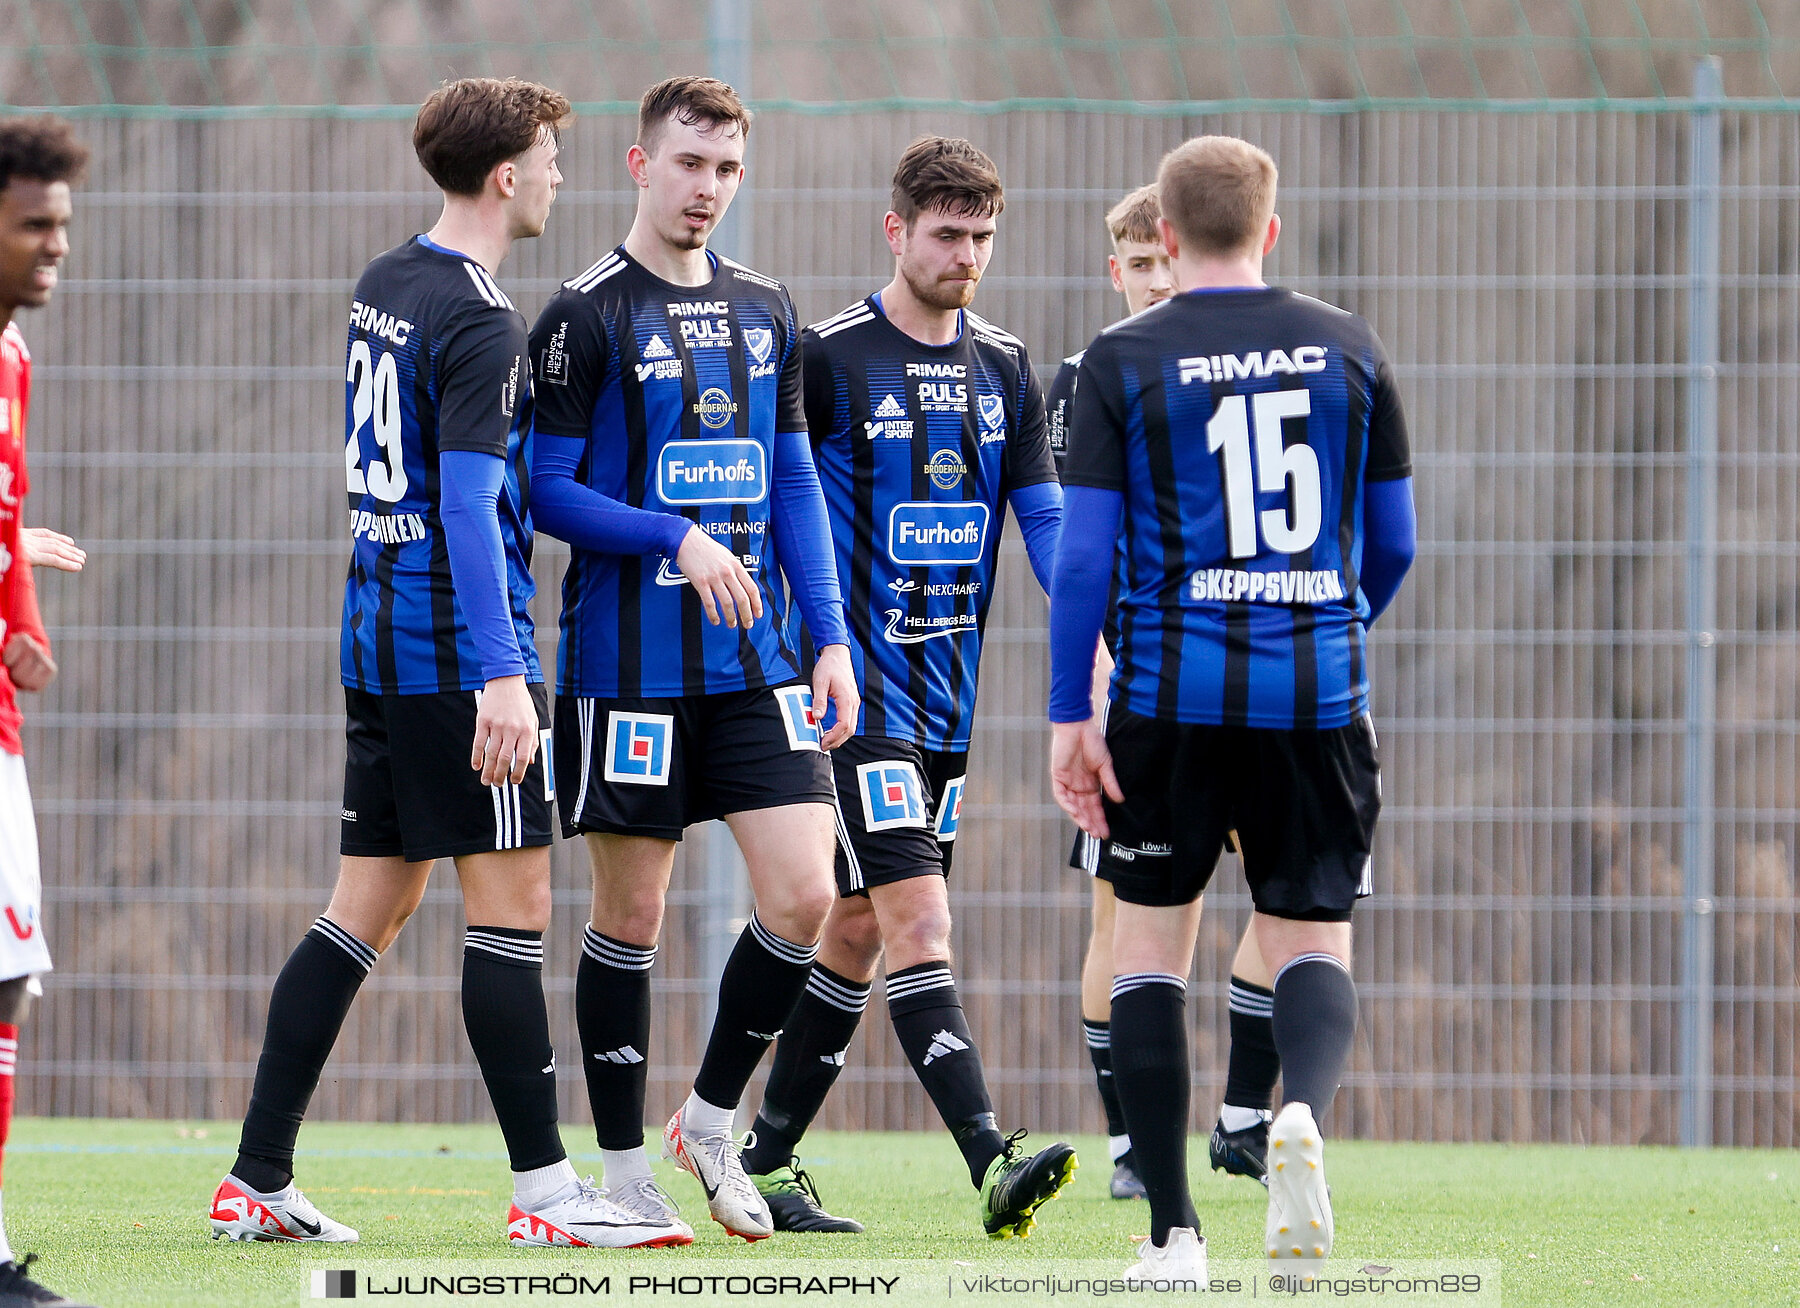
x=1239, y=460
x=444, y=697
x=40, y=162
x=1139, y=269
x=927, y=425
x=671, y=453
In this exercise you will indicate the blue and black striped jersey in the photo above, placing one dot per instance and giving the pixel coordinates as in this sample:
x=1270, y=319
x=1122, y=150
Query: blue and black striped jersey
x=1241, y=427
x=918, y=447
x=1059, y=407
x=679, y=392
x=437, y=361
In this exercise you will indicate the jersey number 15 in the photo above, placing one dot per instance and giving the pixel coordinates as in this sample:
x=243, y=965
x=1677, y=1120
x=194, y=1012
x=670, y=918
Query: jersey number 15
x=375, y=402
x=1278, y=467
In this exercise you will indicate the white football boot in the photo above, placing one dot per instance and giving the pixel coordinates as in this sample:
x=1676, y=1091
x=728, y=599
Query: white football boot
x=582, y=1217
x=240, y=1213
x=731, y=1196
x=1299, y=1226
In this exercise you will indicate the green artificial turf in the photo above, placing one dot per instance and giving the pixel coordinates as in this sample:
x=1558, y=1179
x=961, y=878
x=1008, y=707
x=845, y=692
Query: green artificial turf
x=118, y=1212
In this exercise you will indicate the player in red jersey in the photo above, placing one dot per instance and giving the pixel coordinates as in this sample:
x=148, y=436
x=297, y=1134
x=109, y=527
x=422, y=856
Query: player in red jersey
x=39, y=161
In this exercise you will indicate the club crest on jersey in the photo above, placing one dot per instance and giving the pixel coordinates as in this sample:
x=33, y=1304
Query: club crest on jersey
x=760, y=341
x=891, y=796
x=715, y=407
x=991, y=409
x=712, y=472
x=924, y=534
x=949, y=814
x=946, y=469
x=637, y=747
x=796, y=705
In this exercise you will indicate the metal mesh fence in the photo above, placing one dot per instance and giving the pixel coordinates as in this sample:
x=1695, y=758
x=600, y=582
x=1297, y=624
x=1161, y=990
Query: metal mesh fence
x=352, y=52
x=1519, y=966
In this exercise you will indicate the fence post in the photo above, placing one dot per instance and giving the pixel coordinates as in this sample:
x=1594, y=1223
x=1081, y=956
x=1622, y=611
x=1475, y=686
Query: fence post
x=1702, y=607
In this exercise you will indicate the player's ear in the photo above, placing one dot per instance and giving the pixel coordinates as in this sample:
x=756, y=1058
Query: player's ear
x=506, y=178
x=1113, y=270
x=1170, y=241
x=894, y=227
x=637, y=163
x=1273, y=233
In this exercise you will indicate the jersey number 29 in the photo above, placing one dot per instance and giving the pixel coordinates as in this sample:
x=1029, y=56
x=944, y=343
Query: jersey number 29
x=1293, y=468
x=375, y=402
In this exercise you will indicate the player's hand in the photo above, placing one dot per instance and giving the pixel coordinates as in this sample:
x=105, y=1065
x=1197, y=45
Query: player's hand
x=834, y=682
x=28, y=662
x=1080, y=770
x=44, y=548
x=506, y=731
x=719, y=579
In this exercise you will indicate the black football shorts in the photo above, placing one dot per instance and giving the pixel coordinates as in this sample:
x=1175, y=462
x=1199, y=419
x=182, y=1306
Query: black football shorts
x=409, y=789
x=1303, y=803
x=654, y=767
x=898, y=810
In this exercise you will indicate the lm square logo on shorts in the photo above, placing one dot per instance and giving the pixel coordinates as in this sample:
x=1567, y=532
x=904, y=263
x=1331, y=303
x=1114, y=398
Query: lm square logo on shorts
x=891, y=796
x=712, y=472
x=796, y=706
x=949, y=813
x=637, y=747
x=334, y=1285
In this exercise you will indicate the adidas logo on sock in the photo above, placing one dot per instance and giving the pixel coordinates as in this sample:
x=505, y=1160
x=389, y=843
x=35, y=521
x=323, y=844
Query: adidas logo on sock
x=658, y=349
x=623, y=1054
x=890, y=408
x=836, y=1060
x=943, y=1044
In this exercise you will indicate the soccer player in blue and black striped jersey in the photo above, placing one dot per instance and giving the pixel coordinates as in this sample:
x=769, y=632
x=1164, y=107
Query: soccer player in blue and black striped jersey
x=445, y=701
x=927, y=426
x=1139, y=269
x=671, y=453
x=1238, y=454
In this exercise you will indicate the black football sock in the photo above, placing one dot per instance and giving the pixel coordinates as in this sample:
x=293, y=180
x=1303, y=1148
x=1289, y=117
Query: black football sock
x=306, y=1010
x=1150, y=1066
x=1254, y=1066
x=808, y=1058
x=1315, y=1025
x=503, y=1010
x=1099, y=1043
x=928, y=1017
x=762, y=981
x=612, y=1013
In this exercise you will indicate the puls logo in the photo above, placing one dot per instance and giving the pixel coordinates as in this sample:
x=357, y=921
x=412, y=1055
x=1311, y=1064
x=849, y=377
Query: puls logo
x=638, y=747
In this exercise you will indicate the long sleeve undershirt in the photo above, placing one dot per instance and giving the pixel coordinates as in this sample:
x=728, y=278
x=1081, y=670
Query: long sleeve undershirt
x=469, y=488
